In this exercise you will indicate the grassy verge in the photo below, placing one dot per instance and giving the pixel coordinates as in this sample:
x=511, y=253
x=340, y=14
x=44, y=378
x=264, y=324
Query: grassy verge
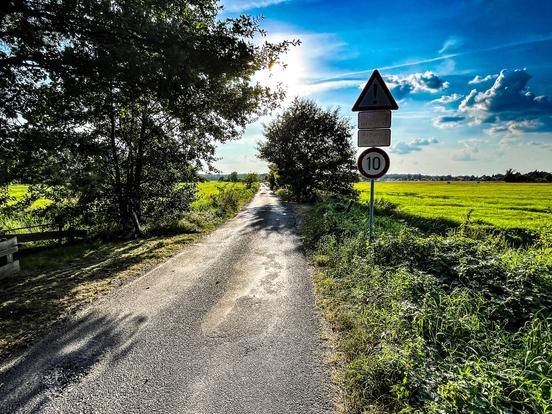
x=59, y=281
x=433, y=323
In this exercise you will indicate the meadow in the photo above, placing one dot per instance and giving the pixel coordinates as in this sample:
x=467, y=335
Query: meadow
x=437, y=316
x=207, y=193
x=58, y=281
x=504, y=205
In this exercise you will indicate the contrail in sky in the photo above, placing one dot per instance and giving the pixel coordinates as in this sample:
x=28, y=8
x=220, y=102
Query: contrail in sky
x=534, y=39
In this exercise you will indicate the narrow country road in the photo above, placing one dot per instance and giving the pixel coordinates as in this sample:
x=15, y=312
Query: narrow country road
x=226, y=326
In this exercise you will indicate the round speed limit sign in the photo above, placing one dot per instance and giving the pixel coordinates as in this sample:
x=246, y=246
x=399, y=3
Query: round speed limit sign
x=373, y=163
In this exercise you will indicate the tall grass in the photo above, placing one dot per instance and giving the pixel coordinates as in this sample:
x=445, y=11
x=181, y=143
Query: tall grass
x=216, y=201
x=433, y=323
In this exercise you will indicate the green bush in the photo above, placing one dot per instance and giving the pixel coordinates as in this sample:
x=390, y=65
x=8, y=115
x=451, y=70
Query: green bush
x=431, y=323
x=250, y=179
x=284, y=193
x=214, y=203
x=229, y=199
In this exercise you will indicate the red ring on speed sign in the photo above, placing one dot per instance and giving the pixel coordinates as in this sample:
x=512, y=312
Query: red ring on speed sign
x=367, y=152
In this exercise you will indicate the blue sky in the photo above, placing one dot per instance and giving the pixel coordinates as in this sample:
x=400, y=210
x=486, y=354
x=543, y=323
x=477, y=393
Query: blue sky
x=473, y=79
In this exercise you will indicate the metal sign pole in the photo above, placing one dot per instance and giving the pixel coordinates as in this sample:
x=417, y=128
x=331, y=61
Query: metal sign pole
x=371, y=220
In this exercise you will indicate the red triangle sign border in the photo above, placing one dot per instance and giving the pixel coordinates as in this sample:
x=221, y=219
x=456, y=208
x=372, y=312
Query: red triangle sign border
x=375, y=76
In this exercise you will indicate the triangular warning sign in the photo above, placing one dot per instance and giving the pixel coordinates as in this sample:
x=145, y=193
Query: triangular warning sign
x=375, y=95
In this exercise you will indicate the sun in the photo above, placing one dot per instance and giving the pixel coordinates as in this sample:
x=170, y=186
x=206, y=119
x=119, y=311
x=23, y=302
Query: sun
x=289, y=72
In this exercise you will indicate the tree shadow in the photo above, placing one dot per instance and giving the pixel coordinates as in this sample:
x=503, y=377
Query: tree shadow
x=65, y=357
x=274, y=219
x=33, y=300
x=277, y=218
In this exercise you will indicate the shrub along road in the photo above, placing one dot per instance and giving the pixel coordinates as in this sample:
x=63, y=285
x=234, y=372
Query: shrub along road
x=228, y=325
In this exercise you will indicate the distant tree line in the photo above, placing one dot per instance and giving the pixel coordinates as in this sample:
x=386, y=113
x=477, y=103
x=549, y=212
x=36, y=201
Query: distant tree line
x=233, y=177
x=510, y=176
x=536, y=176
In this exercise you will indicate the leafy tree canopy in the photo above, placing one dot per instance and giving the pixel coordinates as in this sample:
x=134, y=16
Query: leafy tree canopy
x=117, y=101
x=311, y=150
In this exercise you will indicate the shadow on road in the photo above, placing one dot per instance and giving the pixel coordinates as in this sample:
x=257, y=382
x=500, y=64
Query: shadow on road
x=271, y=219
x=58, y=282
x=63, y=358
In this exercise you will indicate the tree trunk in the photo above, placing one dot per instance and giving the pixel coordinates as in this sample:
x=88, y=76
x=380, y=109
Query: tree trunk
x=137, y=187
x=123, y=211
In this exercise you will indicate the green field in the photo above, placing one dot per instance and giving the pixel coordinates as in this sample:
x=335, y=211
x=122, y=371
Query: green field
x=504, y=205
x=205, y=193
x=20, y=190
x=208, y=189
x=205, y=189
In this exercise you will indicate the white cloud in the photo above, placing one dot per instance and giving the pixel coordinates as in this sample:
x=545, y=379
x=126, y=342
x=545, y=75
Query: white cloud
x=446, y=67
x=241, y=5
x=452, y=43
x=543, y=145
x=402, y=85
x=463, y=155
x=449, y=121
x=424, y=141
x=445, y=99
x=416, y=144
x=481, y=79
x=518, y=127
x=509, y=105
x=469, y=150
x=509, y=142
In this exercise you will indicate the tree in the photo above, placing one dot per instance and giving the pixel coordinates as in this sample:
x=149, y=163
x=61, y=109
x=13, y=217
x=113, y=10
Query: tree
x=233, y=177
x=272, y=176
x=512, y=176
x=311, y=150
x=116, y=102
x=250, y=179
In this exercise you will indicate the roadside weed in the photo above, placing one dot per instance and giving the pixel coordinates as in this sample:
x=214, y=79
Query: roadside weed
x=433, y=321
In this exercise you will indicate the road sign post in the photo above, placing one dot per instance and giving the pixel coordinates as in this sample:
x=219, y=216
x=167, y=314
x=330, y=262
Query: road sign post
x=371, y=217
x=374, y=106
x=373, y=163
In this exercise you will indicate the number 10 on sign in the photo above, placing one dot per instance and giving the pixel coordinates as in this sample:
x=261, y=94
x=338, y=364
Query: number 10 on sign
x=373, y=163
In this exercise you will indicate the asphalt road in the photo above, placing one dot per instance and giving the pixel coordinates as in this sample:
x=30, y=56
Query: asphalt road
x=226, y=326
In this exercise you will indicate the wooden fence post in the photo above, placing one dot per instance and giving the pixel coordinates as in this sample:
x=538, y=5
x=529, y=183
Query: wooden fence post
x=59, y=219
